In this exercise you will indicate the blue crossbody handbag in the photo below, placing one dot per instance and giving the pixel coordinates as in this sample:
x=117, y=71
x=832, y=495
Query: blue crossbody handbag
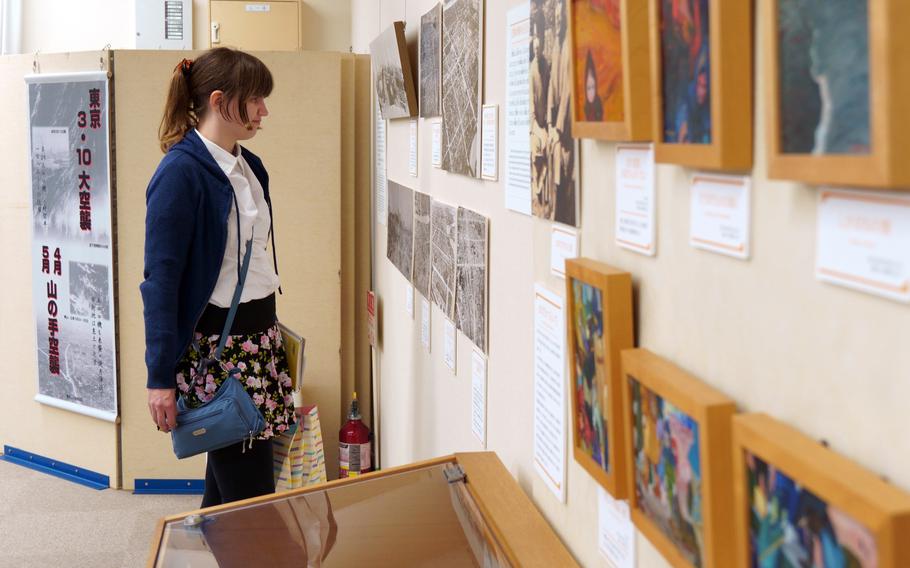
x=231, y=416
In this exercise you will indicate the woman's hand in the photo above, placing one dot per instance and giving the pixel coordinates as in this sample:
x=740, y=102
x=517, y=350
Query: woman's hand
x=163, y=407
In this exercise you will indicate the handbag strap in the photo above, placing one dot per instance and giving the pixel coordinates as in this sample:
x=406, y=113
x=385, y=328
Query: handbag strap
x=232, y=312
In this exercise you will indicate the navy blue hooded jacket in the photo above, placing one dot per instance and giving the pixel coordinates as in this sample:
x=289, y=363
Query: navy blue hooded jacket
x=187, y=205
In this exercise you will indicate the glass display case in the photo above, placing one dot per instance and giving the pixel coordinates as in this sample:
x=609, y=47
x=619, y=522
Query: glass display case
x=461, y=510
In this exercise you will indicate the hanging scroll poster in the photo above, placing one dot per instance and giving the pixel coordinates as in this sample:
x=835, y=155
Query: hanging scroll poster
x=72, y=250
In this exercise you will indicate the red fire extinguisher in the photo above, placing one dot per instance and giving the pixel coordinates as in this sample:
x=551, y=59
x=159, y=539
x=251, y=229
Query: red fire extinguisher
x=354, y=445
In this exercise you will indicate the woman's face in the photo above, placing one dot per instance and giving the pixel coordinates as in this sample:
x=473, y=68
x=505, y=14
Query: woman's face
x=256, y=111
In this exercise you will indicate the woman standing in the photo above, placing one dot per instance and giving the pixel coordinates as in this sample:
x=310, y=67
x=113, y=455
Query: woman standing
x=207, y=197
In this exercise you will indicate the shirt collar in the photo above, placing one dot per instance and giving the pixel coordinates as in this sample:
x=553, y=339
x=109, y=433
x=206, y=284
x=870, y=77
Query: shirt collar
x=226, y=160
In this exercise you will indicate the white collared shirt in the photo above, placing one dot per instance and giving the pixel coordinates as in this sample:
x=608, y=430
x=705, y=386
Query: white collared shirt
x=261, y=279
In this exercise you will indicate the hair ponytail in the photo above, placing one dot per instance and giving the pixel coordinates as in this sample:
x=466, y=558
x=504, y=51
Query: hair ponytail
x=178, y=115
x=238, y=75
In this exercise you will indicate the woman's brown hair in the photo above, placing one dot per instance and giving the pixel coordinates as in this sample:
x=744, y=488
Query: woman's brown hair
x=239, y=75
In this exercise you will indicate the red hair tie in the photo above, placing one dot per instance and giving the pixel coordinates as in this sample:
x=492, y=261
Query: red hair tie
x=185, y=66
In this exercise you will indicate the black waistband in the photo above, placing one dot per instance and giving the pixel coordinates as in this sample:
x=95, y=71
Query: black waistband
x=255, y=316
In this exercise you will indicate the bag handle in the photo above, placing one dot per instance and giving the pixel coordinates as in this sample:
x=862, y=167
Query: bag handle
x=205, y=363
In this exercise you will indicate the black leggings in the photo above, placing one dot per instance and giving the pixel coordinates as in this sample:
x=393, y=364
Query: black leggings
x=232, y=474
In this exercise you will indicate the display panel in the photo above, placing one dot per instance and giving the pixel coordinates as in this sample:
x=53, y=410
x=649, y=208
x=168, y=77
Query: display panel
x=701, y=54
x=597, y=41
x=431, y=62
x=462, y=85
x=554, y=151
x=611, y=87
x=599, y=327
x=400, y=236
x=797, y=503
x=72, y=242
x=790, y=526
x=685, y=51
x=392, y=77
x=823, y=66
x=668, y=478
x=681, y=488
x=836, y=91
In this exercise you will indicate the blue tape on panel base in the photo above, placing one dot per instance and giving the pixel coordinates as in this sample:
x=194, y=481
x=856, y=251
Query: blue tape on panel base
x=169, y=487
x=56, y=468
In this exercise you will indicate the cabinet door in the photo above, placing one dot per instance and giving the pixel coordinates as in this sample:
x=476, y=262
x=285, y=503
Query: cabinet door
x=255, y=26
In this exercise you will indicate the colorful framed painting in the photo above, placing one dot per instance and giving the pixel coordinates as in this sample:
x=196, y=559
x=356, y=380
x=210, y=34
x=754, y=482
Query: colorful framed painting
x=826, y=125
x=679, y=463
x=611, y=85
x=798, y=503
x=701, y=79
x=599, y=327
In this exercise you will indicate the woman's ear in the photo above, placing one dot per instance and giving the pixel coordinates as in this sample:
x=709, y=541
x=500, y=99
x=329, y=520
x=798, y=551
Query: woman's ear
x=216, y=99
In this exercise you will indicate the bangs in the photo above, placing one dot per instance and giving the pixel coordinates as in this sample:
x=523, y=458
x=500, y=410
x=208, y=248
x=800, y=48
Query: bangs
x=249, y=78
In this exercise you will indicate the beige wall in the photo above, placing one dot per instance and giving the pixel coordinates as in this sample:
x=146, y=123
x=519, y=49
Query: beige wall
x=832, y=362
x=72, y=438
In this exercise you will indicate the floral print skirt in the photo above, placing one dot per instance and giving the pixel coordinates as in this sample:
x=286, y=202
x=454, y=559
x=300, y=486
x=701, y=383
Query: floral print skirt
x=264, y=373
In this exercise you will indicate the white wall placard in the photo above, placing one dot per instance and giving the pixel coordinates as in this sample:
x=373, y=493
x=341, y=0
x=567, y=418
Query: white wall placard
x=615, y=532
x=412, y=149
x=436, y=150
x=549, y=391
x=720, y=214
x=425, y=323
x=563, y=245
x=409, y=299
x=489, y=162
x=635, y=203
x=518, y=109
x=449, y=344
x=479, y=396
x=379, y=169
x=863, y=242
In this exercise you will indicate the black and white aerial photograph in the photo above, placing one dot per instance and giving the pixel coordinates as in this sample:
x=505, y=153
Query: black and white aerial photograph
x=462, y=49
x=392, y=74
x=443, y=227
x=471, y=277
x=401, y=228
x=421, y=271
x=430, y=62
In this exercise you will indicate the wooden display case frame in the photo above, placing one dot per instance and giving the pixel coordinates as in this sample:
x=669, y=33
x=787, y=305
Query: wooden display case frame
x=636, y=79
x=514, y=522
x=879, y=506
x=713, y=411
x=731, y=52
x=884, y=166
x=615, y=287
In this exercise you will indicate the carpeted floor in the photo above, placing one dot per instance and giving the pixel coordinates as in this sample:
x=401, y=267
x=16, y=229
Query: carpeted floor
x=48, y=522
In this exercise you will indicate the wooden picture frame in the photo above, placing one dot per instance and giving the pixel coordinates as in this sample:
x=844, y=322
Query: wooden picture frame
x=635, y=125
x=613, y=290
x=729, y=89
x=889, y=123
x=851, y=496
x=389, y=55
x=712, y=412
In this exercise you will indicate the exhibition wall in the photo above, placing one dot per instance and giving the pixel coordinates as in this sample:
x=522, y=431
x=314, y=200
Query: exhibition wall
x=764, y=331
